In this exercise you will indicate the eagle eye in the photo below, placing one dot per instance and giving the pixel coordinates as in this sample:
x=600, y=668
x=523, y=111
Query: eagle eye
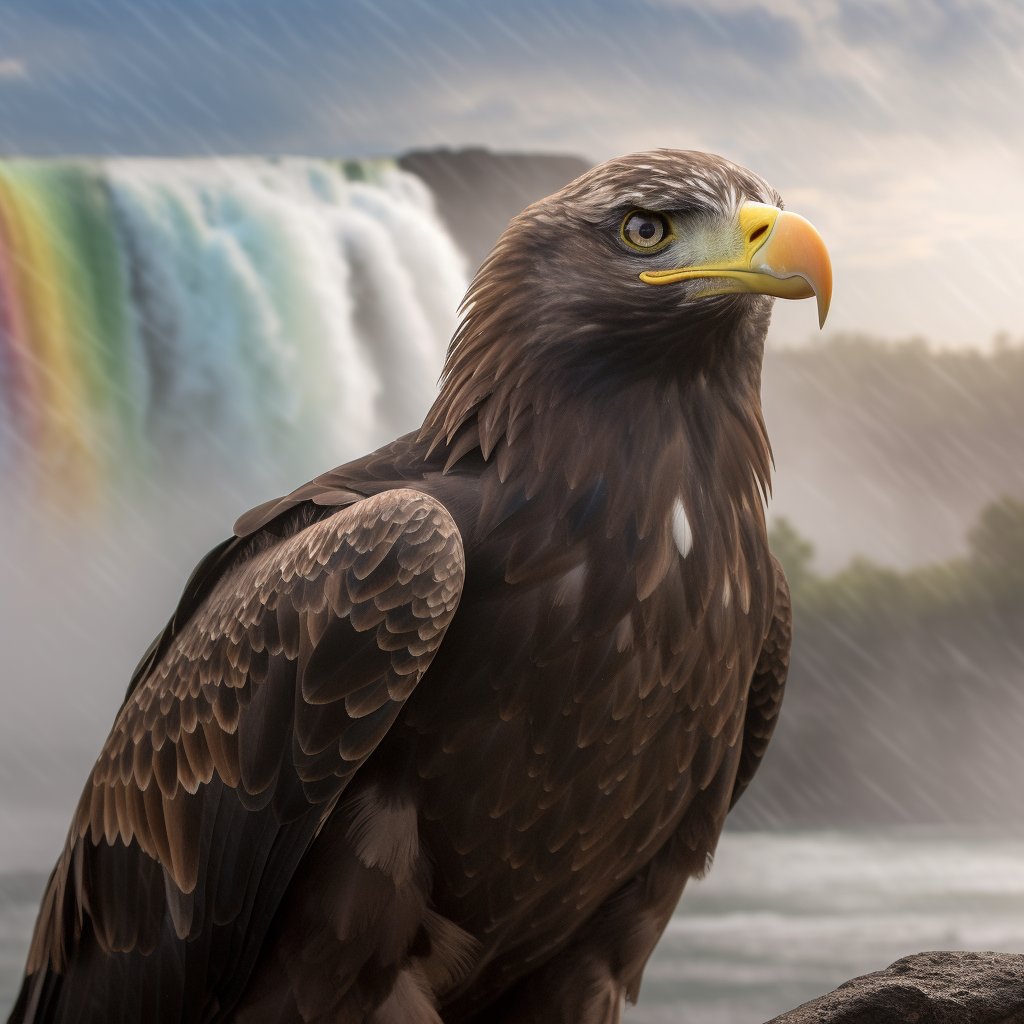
x=645, y=231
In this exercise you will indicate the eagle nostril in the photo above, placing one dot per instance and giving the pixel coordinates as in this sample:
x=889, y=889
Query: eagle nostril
x=758, y=232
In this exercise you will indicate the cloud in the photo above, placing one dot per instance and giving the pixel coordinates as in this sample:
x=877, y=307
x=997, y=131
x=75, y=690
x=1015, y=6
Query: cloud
x=879, y=64
x=12, y=68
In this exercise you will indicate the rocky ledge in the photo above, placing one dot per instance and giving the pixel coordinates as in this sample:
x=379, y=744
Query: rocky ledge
x=926, y=988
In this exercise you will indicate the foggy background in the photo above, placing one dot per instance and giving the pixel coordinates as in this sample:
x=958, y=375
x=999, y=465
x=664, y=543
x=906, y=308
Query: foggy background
x=232, y=241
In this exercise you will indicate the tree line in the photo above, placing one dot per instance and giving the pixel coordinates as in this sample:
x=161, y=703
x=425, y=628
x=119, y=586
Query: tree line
x=905, y=700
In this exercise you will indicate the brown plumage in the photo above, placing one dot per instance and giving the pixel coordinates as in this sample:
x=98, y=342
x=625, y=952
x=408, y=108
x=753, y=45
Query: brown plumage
x=442, y=734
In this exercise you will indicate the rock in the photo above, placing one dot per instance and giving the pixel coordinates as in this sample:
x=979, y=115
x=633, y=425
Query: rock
x=477, y=192
x=926, y=988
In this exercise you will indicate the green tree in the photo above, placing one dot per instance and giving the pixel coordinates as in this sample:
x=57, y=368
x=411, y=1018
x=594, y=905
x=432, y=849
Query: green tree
x=796, y=553
x=996, y=544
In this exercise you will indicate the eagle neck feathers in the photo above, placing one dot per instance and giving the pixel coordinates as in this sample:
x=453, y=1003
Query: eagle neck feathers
x=611, y=451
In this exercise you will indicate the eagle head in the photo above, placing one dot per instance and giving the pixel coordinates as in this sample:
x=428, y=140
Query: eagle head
x=700, y=221
x=655, y=266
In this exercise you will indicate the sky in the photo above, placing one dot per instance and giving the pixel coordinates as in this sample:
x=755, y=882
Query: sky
x=897, y=128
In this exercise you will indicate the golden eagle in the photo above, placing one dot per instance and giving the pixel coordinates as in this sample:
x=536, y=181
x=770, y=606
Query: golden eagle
x=441, y=735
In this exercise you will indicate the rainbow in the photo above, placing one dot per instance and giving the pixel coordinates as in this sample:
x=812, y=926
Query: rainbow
x=213, y=312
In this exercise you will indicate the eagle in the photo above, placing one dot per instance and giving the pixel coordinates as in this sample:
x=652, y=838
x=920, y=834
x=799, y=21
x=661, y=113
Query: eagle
x=441, y=735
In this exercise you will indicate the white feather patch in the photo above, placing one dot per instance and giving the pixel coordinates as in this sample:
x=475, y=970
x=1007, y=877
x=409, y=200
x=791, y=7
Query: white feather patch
x=681, y=532
x=410, y=1001
x=453, y=951
x=385, y=834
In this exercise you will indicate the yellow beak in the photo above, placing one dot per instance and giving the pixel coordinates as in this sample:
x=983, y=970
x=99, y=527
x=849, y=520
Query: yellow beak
x=782, y=255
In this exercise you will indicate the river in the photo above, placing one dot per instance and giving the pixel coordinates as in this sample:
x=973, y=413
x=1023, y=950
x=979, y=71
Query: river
x=781, y=917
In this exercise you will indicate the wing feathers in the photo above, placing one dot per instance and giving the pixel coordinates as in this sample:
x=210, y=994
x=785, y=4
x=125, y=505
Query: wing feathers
x=767, y=686
x=278, y=675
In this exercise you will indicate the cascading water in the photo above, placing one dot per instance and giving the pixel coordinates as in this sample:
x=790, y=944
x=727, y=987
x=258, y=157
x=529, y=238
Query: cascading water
x=216, y=314
x=178, y=341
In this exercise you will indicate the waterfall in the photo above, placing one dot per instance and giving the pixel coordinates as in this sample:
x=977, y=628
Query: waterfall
x=227, y=315
x=178, y=341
